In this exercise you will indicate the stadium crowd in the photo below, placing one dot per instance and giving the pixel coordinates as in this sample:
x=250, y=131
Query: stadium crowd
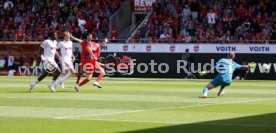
x=33, y=19
x=224, y=21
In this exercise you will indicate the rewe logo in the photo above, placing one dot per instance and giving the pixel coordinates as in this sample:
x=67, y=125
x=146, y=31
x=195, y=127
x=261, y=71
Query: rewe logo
x=143, y=3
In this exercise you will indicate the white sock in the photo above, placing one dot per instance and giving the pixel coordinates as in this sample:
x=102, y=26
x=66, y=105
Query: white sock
x=62, y=79
x=36, y=82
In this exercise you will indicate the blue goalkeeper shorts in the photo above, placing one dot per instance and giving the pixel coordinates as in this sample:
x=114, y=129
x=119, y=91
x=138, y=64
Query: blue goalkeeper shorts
x=219, y=81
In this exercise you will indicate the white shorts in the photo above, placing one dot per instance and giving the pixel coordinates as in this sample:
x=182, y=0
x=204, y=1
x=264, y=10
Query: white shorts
x=67, y=64
x=50, y=64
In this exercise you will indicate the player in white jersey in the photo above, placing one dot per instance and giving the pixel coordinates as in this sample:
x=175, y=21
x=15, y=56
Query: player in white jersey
x=67, y=58
x=49, y=47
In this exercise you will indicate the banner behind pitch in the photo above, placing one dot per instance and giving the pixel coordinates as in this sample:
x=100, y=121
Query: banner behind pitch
x=194, y=48
x=171, y=60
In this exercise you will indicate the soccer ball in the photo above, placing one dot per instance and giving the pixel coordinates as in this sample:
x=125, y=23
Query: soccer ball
x=265, y=68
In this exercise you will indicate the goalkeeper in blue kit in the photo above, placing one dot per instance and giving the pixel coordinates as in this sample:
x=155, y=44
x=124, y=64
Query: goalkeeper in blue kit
x=225, y=67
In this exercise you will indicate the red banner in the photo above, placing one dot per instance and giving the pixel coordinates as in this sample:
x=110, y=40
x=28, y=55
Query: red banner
x=142, y=5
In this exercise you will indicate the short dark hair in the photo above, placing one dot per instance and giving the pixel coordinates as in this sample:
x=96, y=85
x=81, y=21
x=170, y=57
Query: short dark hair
x=187, y=50
x=84, y=35
x=51, y=35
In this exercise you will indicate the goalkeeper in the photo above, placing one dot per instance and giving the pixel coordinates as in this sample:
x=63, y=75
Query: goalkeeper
x=225, y=67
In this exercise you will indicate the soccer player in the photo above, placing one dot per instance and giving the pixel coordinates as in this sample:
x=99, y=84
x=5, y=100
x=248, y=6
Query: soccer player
x=67, y=58
x=49, y=47
x=225, y=67
x=97, y=66
x=87, y=58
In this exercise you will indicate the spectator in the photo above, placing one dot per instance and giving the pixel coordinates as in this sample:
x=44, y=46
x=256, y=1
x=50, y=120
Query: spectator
x=114, y=34
x=274, y=32
x=2, y=62
x=8, y=5
x=34, y=66
x=221, y=37
x=211, y=16
x=241, y=30
x=188, y=38
x=18, y=18
x=14, y=63
x=194, y=9
x=186, y=13
x=77, y=55
x=20, y=34
x=240, y=74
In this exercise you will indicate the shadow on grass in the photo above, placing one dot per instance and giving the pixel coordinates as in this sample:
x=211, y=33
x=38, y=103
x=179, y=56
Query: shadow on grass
x=253, y=124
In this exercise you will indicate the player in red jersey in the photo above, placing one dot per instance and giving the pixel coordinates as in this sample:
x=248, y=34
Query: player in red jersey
x=87, y=59
x=96, y=48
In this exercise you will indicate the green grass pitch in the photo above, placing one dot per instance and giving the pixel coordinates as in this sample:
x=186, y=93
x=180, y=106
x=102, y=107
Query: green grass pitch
x=137, y=105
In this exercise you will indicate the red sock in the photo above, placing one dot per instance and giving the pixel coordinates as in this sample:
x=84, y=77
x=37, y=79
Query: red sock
x=100, y=77
x=84, y=82
x=79, y=77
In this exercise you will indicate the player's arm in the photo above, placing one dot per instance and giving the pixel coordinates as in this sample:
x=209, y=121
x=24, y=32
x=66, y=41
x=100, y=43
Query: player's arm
x=58, y=52
x=42, y=46
x=58, y=55
x=250, y=65
x=76, y=39
x=73, y=58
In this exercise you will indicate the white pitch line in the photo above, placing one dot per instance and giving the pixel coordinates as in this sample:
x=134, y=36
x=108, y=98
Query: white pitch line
x=201, y=123
x=145, y=110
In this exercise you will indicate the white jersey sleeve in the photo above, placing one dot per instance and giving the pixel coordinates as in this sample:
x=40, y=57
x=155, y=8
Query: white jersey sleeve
x=44, y=44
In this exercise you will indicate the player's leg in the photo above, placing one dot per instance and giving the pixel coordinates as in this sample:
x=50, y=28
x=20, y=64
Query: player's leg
x=20, y=70
x=102, y=73
x=56, y=74
x=28, y=70
x=69, y=71
x=206, y=89
x=79, y=75
x=39, y=79
x=85, y=81
x=214, y=83
x=221, y=92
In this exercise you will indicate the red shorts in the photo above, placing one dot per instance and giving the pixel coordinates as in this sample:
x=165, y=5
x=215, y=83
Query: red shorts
x=90, y=67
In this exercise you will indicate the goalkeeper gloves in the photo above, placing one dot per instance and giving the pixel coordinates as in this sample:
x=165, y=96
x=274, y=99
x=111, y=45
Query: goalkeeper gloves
x=202, y=73
x=252, y=65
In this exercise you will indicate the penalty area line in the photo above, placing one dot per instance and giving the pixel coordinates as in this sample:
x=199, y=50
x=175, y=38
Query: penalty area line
x=155, y=109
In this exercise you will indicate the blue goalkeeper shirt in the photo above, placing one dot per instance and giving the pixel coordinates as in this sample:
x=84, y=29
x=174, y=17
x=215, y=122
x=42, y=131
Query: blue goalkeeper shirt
x=225, y=68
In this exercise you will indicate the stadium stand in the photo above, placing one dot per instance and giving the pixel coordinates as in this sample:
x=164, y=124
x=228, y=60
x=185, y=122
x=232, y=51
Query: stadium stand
x=215, y=21
x=32, y=20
